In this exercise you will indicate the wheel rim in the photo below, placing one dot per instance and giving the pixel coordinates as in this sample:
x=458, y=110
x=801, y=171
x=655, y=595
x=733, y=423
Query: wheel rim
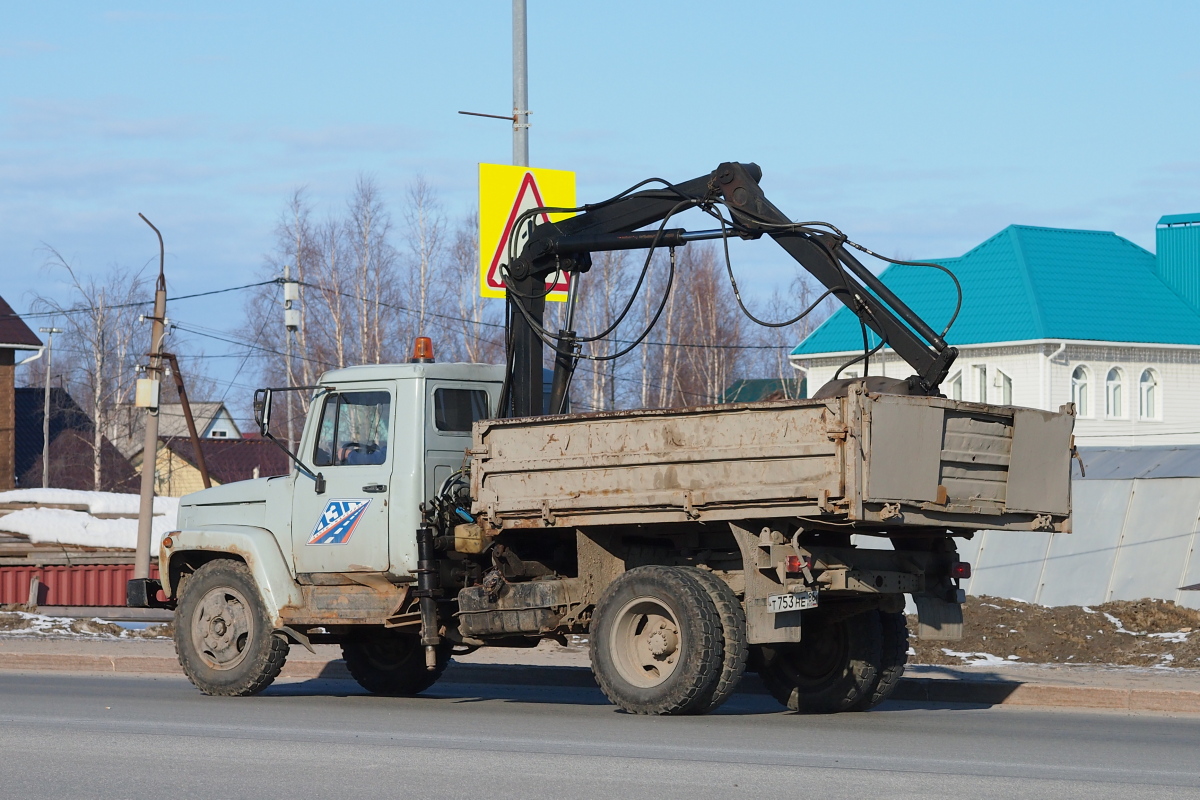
x=222, y=628
x=646, y=642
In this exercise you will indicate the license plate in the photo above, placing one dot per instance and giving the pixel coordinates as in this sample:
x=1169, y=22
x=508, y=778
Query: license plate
x=791, y=602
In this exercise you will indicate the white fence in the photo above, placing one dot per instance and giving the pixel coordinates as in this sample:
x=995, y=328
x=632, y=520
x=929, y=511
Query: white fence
x=1136, y=521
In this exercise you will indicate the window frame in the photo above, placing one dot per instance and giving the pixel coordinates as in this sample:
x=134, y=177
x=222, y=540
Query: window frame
x=1081, y=390
x=336, y=396
x=981, y=382
x=956, y=386
x=487, y=405
x=1155, y=388
x=1118, y=394
x=1005, y=383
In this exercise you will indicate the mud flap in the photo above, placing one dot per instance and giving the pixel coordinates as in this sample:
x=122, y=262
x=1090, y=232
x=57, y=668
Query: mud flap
x=938, y=619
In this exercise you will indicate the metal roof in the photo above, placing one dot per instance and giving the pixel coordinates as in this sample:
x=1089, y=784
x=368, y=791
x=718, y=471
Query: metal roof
x=1028, y=283
x=1180, y=219
x=444, y=370
x=753, y=390
x=14, y=333
x=1127, y=463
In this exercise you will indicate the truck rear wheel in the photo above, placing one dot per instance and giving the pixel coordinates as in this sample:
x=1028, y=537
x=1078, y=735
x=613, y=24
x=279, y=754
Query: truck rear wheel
x=833, y=668
x=656, y=642
x=392, y=664
x=733, y=629
x=223, y=639
x=891, y=664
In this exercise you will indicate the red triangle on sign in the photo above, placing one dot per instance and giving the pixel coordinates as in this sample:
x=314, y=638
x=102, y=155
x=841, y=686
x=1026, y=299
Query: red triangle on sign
x=528, y=197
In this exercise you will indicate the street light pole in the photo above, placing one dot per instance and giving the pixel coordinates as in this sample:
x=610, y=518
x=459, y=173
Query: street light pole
x=141, y=559
x=520, y=58
x=46, y=406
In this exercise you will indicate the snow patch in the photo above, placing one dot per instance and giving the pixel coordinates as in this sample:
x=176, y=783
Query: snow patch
x=977, y=659
x=60, y=526
x=97, y=502
x=24, y=623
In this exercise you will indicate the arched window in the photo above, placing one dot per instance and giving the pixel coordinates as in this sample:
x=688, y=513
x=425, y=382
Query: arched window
x=1114, y=394
x=1005, y=384
x=1079, y=391
x=956, y=386
x=1148, y=400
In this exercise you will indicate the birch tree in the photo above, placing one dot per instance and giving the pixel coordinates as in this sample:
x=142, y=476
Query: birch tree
x=101, y=323
x=425, y=232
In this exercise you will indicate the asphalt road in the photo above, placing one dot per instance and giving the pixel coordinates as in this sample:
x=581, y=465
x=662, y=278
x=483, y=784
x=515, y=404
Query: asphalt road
x=84, y=736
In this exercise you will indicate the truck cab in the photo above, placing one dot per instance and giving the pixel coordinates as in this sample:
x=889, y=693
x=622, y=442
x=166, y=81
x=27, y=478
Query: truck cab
x=333, y=543
x=383, y=438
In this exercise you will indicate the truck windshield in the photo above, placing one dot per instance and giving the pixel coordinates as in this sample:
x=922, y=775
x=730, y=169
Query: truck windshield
x=354, y=429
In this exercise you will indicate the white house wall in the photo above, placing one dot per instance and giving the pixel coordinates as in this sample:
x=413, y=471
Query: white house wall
x=222, y=426
x=1178, y=371
x=1041, y=378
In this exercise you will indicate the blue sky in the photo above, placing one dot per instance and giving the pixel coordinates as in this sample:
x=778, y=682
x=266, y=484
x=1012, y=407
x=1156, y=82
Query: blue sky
x=919, y=128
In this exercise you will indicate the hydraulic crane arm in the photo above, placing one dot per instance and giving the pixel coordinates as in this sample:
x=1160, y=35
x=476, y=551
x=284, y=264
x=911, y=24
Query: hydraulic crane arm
x=566, y=245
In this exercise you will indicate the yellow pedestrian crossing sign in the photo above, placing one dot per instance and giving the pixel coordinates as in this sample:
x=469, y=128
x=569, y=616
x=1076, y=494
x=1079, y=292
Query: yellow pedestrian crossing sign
x=504, y=193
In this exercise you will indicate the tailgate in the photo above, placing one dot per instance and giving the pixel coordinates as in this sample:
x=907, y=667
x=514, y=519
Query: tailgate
x=949, y=461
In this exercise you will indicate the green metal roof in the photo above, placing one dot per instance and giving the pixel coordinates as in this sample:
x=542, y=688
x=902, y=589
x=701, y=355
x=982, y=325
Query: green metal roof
x=1179, y=219
x=756, y=389
x=1035, y=283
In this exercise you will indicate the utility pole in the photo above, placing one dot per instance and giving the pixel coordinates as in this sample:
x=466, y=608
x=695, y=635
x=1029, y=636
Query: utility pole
x=46, y=406
x=291, y=323
x=141, y=561
x=520, y=57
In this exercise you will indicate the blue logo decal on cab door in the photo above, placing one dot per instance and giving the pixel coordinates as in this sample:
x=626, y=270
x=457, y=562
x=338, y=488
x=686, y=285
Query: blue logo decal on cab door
x=338, y=521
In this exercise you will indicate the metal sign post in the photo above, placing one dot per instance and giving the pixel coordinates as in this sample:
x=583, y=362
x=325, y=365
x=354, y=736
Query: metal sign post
x=520, y=57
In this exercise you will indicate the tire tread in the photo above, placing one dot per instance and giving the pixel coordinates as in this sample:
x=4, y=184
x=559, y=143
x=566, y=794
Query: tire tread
x=692, y=695
x=268, y=662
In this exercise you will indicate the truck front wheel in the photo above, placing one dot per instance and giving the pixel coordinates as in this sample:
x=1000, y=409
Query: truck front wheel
x=656, y=642
x=833, y=668
x=392, y=664
x=223, y=638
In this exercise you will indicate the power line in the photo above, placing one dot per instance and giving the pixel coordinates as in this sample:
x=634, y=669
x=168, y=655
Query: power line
x=406, y=309
x=86, y=309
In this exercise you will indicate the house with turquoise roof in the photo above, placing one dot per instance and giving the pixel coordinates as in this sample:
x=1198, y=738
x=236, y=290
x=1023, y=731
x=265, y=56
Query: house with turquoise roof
x=1053, y=316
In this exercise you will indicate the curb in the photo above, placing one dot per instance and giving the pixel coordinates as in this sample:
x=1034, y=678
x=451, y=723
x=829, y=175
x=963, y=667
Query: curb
x=921, y=690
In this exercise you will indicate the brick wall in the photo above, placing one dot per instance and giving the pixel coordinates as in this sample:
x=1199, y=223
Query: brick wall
x=7, y=419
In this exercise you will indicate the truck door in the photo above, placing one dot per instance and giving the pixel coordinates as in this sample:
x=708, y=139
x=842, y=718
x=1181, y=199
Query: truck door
x=346, y=528
x=453, y=407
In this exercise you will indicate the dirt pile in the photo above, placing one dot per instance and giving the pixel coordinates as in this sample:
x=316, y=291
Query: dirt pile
x=1144, y=633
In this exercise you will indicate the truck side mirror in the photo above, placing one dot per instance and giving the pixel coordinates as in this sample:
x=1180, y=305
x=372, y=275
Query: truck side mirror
x=262, y=410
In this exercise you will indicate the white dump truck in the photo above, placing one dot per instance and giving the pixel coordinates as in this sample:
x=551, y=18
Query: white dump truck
x=430, y=512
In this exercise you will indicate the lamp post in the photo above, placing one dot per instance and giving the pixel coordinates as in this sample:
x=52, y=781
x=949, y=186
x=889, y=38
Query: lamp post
x=46, y=406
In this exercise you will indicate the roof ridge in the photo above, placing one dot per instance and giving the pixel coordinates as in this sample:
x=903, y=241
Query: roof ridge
x=1023, y=268
x=1062, y=230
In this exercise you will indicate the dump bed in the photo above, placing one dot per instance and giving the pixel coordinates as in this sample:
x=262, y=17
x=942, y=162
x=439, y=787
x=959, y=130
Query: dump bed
x=879, y=459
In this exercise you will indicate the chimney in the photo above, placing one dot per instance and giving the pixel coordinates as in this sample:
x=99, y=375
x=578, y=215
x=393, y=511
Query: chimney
x=1178, y=255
